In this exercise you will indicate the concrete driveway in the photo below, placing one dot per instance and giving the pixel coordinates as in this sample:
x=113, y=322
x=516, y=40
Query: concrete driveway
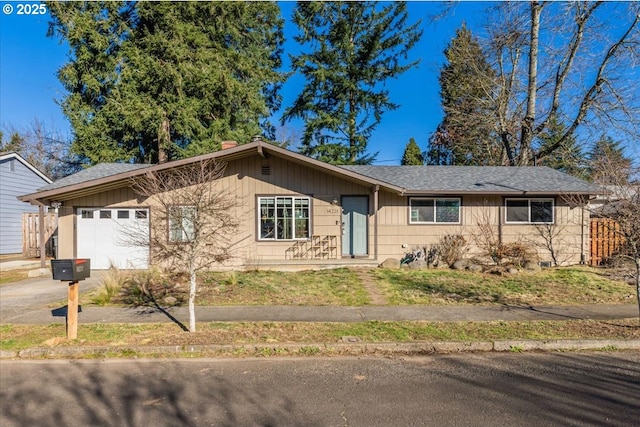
x=18, y=299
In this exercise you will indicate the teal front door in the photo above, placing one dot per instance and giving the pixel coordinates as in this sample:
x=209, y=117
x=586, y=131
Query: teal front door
x=355, y=211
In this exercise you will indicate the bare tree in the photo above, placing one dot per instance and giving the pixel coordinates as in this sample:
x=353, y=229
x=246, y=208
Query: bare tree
x=620, y=201
x=551, y=239
x=193, y=220
x=563, y=62
x=43, y=147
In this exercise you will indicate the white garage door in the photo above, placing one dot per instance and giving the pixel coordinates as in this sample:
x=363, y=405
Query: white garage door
x=118, y=237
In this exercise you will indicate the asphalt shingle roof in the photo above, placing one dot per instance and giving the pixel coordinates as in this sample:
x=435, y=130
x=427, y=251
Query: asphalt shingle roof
x=476, y=179
x=101, y=170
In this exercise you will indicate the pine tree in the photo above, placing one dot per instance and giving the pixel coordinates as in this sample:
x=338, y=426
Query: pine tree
x=608, y=163
x=354, y=47
x=153, y=81
x=465, y=136
x=568, y=157
x=412, y=154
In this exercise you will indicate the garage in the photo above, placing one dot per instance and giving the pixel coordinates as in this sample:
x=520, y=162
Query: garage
x=113, y=237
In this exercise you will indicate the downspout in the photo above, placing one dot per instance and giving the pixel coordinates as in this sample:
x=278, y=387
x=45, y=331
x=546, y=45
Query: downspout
x=376, y=189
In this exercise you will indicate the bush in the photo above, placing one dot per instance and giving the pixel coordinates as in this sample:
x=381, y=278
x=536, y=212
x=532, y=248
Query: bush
x=112, y=284
x=451, y=248
x=153, y=286
x=516, y=253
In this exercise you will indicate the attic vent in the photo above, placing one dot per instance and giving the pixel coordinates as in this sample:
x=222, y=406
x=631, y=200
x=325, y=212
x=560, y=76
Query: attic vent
x=266, y=170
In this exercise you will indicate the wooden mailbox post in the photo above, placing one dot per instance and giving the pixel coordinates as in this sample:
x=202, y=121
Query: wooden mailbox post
x=72, y=271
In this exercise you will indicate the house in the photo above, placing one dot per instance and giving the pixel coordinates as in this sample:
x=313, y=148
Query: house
x=300, y=211
x=17, y=177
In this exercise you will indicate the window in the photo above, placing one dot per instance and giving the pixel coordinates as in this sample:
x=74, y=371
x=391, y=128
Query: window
x=87, y=214
x=182, y=221
x=141, y=214
x=284, y=218
x=105, y=214
x=535, y=211
x=123, y=214
x=434, y=211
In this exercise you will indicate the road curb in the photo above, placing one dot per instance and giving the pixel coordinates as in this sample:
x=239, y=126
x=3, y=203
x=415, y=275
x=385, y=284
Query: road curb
x=414, y=348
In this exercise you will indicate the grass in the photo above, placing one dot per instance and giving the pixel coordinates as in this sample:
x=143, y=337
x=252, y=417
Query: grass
x=558, y=286
x=319, y=288
x=11, y=276
x=343, y=287
x=18, y=337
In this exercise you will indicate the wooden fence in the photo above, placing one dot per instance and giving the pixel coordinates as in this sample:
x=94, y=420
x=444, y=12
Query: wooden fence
x=606, y=239
x=31, y=233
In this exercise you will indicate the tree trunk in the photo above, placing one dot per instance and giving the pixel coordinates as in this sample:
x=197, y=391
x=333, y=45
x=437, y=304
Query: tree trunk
x=526, y=136
x=163, y=140
x=637, y=261
x=192, y=299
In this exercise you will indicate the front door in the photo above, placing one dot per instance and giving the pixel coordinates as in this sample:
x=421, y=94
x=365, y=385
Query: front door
x=355, y=211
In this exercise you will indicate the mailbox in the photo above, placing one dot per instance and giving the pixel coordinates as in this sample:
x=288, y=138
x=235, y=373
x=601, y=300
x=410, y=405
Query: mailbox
x=71, y=270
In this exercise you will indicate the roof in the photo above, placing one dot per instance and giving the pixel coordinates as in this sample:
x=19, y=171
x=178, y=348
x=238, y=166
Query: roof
x=478, y=179
x=404, y=180
x=13, y=155
x=101, y=170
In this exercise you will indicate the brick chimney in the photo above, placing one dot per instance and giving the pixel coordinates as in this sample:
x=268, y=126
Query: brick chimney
x=229, y=144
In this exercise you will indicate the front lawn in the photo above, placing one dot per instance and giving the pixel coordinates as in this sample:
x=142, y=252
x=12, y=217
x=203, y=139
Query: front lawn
x=555, y=286
x=344, y=287
x=326, y=287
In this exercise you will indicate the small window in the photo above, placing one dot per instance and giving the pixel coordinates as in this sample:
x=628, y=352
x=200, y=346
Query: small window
x=105, y=214
x=87, y=214
x=529, y=211
x=434, y=211
x=141, y=214
x=182, y=223
x=123, y=214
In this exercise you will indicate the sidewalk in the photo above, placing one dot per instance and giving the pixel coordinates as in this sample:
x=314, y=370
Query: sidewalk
x=92, y=314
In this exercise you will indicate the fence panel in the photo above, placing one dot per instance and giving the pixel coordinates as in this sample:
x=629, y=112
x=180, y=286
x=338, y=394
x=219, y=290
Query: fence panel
x=31, y=233
x=606, y=239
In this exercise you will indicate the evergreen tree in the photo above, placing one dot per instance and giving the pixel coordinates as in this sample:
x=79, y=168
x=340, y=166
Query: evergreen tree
x=354, y=48
x=568, y=157
x=608, y=163
x=412, y=154
x=153, y=81
x=465, y=136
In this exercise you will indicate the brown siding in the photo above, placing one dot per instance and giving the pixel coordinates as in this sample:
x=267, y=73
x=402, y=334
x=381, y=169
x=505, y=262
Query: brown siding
x=244, y=178
x=395, y=230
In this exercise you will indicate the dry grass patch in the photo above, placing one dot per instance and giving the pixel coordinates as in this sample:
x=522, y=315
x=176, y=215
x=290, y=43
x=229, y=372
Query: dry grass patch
x=11, y=276
x=17, y=337
x=557, y=286
x=314, y=288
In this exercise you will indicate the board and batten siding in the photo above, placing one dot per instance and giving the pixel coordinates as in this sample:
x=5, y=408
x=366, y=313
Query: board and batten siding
x=248, y=178
x=244, y=179
x=397, y=236
x=16, y=179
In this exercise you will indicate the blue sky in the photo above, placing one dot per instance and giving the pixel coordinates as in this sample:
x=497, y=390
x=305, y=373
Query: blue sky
x=29, y=86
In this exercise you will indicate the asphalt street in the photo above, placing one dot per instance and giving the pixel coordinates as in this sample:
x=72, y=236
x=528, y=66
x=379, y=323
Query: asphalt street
x=474, y=389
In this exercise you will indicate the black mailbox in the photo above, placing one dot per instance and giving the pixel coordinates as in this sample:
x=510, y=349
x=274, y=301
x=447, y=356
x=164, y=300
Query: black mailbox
x=71, y=270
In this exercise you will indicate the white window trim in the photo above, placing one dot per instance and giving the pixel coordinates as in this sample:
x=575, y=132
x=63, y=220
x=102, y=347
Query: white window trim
x=185, y=238
x=293, y=222
x=529, y=200
x=435, y=215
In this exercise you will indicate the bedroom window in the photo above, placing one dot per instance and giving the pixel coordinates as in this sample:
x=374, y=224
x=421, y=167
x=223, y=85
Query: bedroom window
x=284, y=218
x=182, y=222
x=529, y=211
x=434, y=211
